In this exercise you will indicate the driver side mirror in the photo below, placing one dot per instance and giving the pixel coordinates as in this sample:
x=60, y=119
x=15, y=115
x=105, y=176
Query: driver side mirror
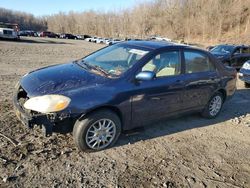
x=145, y=76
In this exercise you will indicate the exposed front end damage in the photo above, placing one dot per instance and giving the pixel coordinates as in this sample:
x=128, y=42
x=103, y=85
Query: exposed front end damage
x=49, y=123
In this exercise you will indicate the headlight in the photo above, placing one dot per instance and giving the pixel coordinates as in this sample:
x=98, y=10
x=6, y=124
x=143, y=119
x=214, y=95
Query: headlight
x=47, y=103
x=246, y=66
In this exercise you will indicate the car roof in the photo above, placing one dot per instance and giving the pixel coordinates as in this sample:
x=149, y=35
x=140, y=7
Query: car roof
x=155, y=44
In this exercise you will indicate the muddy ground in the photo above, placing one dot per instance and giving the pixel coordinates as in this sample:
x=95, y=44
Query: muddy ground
x=185, y=152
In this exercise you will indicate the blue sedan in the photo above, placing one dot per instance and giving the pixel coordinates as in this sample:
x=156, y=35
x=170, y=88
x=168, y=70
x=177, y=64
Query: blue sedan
x=122, y=87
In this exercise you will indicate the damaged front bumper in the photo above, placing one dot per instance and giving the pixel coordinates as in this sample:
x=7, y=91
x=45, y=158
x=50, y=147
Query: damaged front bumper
x=29, y=120
x=49, y=123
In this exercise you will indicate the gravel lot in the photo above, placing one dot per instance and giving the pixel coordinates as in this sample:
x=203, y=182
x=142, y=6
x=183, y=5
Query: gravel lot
x=186, y=152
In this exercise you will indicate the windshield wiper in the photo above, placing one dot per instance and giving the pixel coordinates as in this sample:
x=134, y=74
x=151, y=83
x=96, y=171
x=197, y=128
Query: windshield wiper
x=100, y=69
x=96, y=67
x=79, y=64
x=88, y=66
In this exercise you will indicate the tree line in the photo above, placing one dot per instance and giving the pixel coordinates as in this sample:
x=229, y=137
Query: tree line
x=26, y=21
x=176, y=19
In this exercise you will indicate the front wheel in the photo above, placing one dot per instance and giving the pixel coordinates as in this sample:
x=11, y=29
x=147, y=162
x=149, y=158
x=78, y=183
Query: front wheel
x=214, y=106
x=97, y=131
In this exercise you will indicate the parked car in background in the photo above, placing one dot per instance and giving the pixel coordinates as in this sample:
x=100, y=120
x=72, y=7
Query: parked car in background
x=244, y=73
x=158, y=38
x=88, y=39
x=80, y=37
x=121, y=87
x=86, y=36
x=93, y=39
x=114, y=41
x=9, y=31
x=232, y=55
x=97, y=39
x=101, y=40
x=108, y=40
x=67, y=36
x=49, y=34
x=28, y=33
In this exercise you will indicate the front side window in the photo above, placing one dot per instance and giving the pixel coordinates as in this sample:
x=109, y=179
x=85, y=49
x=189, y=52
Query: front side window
x=114, y=60
x=197, y=62
x=164, y=64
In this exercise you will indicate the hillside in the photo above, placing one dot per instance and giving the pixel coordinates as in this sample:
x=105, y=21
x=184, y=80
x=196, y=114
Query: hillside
x=205, y=21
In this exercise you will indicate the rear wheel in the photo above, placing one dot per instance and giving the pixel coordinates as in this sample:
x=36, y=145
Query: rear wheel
x=214, y=106
x=97, y=131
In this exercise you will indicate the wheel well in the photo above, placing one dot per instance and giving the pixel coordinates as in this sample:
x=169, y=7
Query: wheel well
x=224, y=94
x=111, y=108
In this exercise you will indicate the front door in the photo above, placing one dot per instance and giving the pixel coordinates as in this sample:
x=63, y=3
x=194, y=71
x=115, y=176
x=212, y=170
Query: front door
x=158, y=98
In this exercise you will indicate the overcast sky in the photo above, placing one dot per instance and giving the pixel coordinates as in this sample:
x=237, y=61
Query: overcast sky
x=48, y=7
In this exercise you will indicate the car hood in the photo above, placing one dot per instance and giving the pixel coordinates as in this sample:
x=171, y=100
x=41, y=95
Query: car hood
x=59, y=78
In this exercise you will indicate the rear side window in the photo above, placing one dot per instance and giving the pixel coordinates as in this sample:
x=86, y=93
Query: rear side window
x=197, y=62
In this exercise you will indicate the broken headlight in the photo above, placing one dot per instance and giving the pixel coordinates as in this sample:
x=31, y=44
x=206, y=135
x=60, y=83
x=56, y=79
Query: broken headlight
x=47, y=103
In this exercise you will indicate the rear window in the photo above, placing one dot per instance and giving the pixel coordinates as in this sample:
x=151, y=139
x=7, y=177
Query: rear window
x=197, y=62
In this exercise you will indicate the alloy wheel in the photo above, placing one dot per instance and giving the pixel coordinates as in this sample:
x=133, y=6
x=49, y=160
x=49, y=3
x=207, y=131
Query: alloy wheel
x=215, y=105
x=100, y=134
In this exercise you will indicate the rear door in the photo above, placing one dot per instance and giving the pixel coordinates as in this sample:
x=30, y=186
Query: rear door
x=201, y=79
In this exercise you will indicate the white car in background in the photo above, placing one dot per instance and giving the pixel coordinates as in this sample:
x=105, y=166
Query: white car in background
x=161, y=39
x=91, y=39
x=88, y=39
x=102, y=40
x=7, y=33
x=96, y=39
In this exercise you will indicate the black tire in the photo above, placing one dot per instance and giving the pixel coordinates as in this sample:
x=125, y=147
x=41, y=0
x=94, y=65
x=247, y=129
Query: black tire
x=82, y=126
x=247, y=85
x=207, y=112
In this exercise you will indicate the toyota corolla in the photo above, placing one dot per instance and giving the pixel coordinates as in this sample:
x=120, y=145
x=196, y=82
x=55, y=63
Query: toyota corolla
x=122, y=87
